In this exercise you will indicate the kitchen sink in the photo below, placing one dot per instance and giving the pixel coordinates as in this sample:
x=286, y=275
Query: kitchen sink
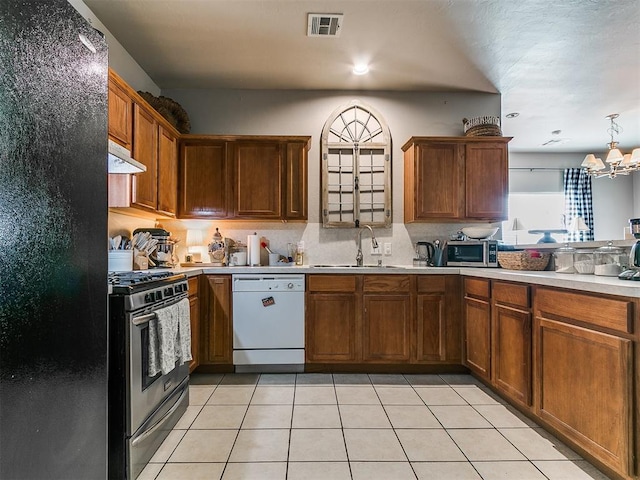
x=355, y=266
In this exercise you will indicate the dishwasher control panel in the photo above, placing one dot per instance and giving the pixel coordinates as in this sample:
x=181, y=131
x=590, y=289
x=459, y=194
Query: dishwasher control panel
x=247, y=282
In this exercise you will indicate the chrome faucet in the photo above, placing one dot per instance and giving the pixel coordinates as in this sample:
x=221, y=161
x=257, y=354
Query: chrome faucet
x=374, y=243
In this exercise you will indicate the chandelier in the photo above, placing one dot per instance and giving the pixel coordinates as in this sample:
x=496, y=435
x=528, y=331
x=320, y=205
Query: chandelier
x=618, y=163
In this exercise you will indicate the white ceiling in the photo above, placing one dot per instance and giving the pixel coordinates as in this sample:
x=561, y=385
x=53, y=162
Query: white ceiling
x=562, y=64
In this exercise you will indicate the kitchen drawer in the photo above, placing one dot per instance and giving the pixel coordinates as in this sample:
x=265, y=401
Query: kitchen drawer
x=477, y=287
x=193, y=286
x=511, y=294
x=613, y=314
x=387, y=283
x=332, y=283
x=431, y=284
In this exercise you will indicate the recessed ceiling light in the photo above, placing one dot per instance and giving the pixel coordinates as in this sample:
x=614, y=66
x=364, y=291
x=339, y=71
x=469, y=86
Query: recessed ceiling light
x=556, y=132
x=512, y=115
x=361, y=69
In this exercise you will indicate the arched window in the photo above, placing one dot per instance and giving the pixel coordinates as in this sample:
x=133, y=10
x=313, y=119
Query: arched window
x=356, y=168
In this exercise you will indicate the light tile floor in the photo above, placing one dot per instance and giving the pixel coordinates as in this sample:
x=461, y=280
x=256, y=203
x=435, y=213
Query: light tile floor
x=357, y=427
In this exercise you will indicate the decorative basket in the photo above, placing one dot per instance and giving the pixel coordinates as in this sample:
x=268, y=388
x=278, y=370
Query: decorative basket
x=171, y=110
x=487, y=126
x=524, y=260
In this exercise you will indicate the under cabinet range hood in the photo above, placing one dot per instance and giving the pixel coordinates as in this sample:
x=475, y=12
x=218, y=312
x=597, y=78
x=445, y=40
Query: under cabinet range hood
x=120, y=160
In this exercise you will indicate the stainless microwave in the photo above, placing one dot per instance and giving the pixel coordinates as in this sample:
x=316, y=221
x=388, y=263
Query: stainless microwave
x=472, y=253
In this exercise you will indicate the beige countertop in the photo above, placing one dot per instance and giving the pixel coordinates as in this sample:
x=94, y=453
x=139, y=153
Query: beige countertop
x=586, y=283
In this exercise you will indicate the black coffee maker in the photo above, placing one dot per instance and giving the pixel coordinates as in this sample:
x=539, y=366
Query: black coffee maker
x=633, y=273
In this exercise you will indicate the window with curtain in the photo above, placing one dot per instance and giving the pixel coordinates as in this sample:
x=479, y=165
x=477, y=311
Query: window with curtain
x=356, y=168
x=578, y=202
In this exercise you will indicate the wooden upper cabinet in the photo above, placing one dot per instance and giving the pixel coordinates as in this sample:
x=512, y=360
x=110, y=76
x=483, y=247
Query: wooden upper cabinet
x=120, y=113
x=486, y=180
x=167, y=171
x=258, y=180
x=437, y=181
x=145, y=150
x=243, y=177
x=204, y=180
x=153, y=141
x=455, y=178
x=295, y=206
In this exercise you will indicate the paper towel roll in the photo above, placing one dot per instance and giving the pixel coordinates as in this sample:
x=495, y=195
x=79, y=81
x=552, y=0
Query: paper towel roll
x=253, y=250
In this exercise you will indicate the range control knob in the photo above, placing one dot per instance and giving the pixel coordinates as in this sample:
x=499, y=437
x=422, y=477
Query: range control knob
x=148, y=298
x=168, y=292
x=158, y=295
x=290, y=285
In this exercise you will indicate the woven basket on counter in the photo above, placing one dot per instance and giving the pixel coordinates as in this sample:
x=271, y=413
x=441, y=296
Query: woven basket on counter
x=487, y=126
x=524, y=260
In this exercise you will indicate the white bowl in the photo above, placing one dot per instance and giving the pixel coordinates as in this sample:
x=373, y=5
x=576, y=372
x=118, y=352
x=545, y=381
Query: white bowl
x=479, y=232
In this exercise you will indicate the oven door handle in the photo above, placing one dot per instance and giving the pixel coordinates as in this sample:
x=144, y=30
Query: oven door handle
x=140, y=438
x=143, y=319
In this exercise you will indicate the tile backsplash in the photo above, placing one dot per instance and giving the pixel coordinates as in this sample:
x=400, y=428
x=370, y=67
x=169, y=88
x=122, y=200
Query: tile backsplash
x=322, y=245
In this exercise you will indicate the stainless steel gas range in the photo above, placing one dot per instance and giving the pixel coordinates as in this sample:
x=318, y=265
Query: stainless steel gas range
x=142, y=408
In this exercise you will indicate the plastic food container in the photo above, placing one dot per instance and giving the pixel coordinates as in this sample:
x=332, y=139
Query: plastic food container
x=609, y=260
x=563, y=258
x=120, y=260
x=583, y=262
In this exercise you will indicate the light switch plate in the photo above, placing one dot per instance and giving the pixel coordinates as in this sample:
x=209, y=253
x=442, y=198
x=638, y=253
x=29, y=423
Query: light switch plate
x=387, y=248
x=376, y=251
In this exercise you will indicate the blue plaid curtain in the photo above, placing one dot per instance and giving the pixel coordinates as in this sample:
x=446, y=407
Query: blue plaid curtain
x=578, y=202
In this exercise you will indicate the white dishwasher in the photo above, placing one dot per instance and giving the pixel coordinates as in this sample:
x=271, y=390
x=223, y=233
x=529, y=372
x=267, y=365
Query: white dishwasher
x=268, y=322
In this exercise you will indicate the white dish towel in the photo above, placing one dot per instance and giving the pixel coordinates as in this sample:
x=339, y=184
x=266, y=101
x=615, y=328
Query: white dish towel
x=170, y=338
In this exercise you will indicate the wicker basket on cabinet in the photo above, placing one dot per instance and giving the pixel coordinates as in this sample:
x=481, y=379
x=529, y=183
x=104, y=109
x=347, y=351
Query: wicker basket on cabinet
x=524, y=260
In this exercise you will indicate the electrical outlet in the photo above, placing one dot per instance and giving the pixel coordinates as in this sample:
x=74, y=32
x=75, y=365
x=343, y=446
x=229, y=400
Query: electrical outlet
x=376, y=251
x=387, y=248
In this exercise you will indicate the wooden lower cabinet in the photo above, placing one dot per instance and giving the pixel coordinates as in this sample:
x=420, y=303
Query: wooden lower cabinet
x=383, y=319
x=430, y=327
x=216, y=343
x=584, y=375
x=438, y=335
x=511, y=341
x=477, y=319
x=330, y=328
x=386, y=318
x=386, y=328
x=194, y=311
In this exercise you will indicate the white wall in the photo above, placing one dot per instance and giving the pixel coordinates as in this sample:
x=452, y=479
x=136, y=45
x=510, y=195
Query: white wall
x=119, y=59
x=251, y=112
x=613, y=199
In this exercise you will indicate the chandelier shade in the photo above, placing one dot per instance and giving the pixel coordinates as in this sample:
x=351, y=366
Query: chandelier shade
x=617, y=162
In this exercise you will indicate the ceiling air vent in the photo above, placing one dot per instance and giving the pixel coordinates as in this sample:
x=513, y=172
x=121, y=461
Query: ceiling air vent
x=324, y=24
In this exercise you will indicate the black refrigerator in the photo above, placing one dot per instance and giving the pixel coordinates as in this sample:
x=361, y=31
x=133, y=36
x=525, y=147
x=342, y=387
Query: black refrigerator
x=53, y=243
